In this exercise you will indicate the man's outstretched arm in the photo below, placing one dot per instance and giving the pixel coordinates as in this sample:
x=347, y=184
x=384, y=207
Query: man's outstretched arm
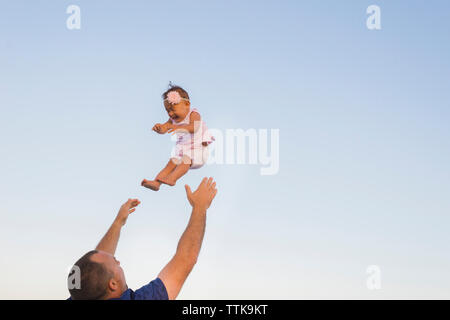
x=177, y=270
x=111, y=238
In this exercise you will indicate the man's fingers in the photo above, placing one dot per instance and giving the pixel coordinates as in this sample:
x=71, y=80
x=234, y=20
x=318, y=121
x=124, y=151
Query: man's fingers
x=131, y=203
x=188, y=190
x=212, y=195
x=135, y=203
x=204, y=181
x=209, y=183
x=132, y=210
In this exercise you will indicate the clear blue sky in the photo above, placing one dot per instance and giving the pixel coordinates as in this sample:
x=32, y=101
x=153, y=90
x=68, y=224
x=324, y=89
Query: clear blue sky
x=364, y=144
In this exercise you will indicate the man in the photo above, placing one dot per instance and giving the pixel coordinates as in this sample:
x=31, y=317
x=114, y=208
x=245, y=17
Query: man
x=100, y=274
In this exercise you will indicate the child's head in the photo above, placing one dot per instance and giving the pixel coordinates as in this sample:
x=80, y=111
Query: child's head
x=176, y=102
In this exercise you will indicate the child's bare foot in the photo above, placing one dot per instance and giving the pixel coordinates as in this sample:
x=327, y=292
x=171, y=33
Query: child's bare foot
x=151, y=184
x=167, y=180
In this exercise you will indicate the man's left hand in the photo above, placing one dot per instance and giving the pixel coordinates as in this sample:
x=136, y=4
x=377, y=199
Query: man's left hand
x=125, y=210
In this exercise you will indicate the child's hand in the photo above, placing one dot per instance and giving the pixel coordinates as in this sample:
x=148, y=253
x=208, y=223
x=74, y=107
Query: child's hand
x=157, y=127
x=160, y=128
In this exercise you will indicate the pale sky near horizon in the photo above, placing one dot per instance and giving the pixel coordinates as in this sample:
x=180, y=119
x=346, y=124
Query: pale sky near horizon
x=363, y=118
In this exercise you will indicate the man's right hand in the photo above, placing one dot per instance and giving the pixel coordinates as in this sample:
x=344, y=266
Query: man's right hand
x=203, y=196
x=174, y=274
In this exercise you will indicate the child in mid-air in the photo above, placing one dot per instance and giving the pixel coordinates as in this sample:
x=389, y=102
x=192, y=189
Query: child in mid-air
x=193, y=138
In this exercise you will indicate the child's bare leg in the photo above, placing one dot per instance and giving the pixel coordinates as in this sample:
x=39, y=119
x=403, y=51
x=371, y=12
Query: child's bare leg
x=178, y=172
x=155, y=184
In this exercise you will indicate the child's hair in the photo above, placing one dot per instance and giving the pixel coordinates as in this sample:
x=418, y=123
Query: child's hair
x=183, y=93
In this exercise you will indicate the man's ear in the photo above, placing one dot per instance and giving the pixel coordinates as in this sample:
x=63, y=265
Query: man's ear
x=112, y=285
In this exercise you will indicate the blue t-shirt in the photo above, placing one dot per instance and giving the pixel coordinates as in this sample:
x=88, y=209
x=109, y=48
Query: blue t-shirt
x=155, y=290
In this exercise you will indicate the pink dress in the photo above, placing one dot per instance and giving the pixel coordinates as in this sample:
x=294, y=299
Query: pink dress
x=191, y=144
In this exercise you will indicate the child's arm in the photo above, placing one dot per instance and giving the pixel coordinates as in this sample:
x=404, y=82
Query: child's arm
x=195, y=116
x=162, y=128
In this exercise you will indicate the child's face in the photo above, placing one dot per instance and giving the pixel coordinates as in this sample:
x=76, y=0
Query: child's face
x=177, y=112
